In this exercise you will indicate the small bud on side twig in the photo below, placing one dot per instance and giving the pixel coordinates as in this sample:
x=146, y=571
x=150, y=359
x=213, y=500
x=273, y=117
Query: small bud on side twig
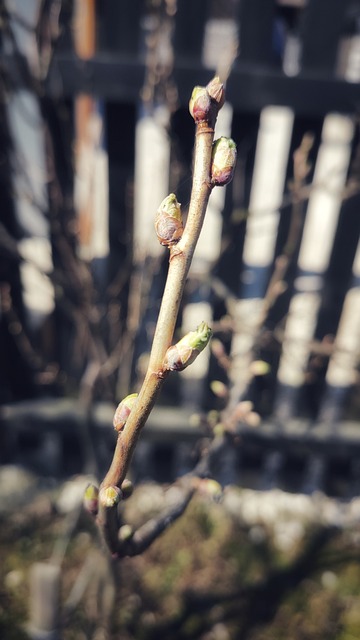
x=126, y=532
x=259, y=368
x=219, y=389
x=127, y=488
x=168, y=221
x=91, y=499
x=184, y=352
x=223, y=161
x=110, y=496
x=200, y=104
x=123, y=411
x=209, y=488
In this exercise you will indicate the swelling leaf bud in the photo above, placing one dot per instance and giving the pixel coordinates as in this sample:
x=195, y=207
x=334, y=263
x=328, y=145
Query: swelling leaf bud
x=259, y=368
x=184, y=352
x=219, y=389
x=210, y=488
x=200, y=104
x=110, y=496
x=126, y=532
x=216, y=91
x=127, y=488
x=168, y=221
x=223, y=161
x=123, y=411
x=91, y=499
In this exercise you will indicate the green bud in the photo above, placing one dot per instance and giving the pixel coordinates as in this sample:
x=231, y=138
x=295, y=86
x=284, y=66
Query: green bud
x=200, y=104
x=219, y=389
x=209, y=488
x=123, y=411
x=110, y=496
x=126, y=532
x=219, y=430
x=183, y=353
x=259, y=368
x=91, y=499
x=168, y=221
x=223, y=161
x=216, y=91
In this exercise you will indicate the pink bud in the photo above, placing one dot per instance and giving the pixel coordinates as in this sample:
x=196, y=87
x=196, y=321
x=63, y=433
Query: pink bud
x=200, y=104
x=223, y=161
x=168, y=221
x=123, y=411
x=183, y=353
x=216, y=91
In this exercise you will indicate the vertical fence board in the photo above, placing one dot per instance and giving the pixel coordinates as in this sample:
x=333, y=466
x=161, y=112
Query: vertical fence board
x=152, y=158
x=261, y=231
x=120, y=25
x=190, y=27
x=318, y=236
x=320, y=30
x=341, y=373
x=120, y=125
x=44, y=601
x=256, y=31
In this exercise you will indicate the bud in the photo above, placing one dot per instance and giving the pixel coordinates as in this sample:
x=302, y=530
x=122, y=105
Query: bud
x=200, y=104
x=123, y=411
x=168, y=221
x=219, y=389
x=223, y=161
x=253, y=419
x=110, y=496
x=91, y=499
x=216, y=91
x=209, y=488
x=259, y=368
x=126, y=532
x=219, y=430
x=184, y=352
x=242, y=410
x=127, y=488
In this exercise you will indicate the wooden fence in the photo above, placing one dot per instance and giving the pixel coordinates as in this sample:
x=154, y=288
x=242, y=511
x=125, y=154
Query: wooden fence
x=277, y=268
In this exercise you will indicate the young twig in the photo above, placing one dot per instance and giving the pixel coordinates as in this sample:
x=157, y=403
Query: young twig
x=213, y=166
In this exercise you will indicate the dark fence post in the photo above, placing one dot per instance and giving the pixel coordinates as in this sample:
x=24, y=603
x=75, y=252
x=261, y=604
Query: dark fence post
x=321, y=28
x=256, y=31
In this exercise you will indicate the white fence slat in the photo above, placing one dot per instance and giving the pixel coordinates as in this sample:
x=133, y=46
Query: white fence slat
x=267, y=190
x=152, y=161
x=38, y=290
x=91, y=187
x=44, y=601
x=325, y=200
x=272, y=152
x=341, y=372
x=316, y=245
